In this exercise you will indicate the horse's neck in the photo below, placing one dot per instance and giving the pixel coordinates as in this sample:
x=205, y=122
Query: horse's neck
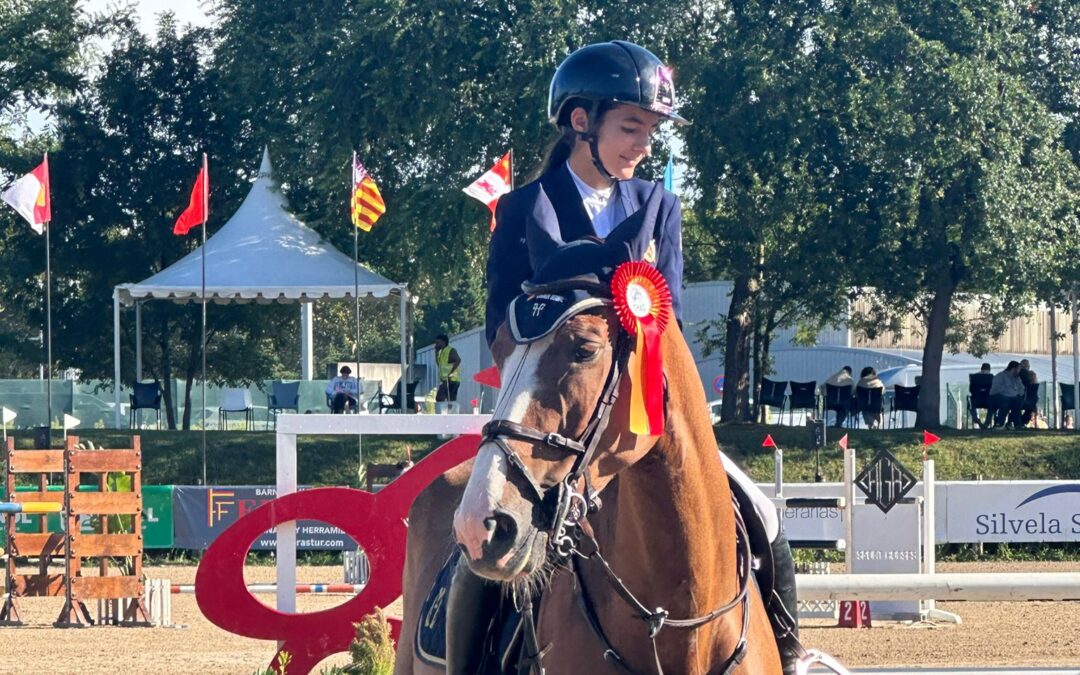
x=674, y=516
x=671, y=533
x=671, y=537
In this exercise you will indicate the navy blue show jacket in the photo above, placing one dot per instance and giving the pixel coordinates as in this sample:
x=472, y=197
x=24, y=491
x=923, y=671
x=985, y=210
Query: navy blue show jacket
x=508, y=256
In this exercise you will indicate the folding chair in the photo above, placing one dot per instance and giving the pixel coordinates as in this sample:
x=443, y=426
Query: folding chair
x=905, y=399
x=1068, y=401
x=979, y=398
x=838, y=400
x=870, y=400
x=803, y=397
x=773, y=395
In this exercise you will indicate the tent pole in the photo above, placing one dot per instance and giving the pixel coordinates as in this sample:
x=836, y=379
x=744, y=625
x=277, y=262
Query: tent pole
x=138, y=355
x=306, y=333
x=403, y=382
x=1075, y=359
x=116, y=357
x=138, y=341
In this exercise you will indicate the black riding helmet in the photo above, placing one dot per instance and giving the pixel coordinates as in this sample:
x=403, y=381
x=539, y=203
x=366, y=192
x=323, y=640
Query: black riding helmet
x=617, y=71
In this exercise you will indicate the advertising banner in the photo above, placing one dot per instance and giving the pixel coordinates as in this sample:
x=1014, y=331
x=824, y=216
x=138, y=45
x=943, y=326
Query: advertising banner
x=812, y=523
x=201, y=513
x=157, y=524
x=1013, y=511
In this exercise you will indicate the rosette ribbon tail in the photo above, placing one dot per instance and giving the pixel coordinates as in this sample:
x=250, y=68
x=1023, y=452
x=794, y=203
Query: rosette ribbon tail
x=652, y=374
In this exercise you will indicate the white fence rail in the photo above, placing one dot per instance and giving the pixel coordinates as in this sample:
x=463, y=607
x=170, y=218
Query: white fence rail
x=993, y=586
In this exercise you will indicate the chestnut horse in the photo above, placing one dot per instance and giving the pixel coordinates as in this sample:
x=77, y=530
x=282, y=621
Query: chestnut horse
x=665, y=523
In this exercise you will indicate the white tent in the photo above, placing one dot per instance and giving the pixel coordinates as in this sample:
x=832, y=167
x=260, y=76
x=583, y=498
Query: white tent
x=262, y=254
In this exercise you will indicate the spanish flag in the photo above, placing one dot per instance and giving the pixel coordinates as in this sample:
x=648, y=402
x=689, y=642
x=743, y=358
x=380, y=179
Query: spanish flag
x=366, y=203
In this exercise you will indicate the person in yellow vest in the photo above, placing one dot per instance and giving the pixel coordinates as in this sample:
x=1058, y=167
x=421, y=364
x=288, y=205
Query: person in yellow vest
x=449, y=364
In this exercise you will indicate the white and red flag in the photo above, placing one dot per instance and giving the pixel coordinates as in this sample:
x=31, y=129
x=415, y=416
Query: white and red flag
x=495, y=182
x=30, y=197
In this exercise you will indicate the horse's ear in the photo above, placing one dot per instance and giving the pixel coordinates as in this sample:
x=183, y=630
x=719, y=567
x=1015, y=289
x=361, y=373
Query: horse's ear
x=631, y=238
x=542, y=235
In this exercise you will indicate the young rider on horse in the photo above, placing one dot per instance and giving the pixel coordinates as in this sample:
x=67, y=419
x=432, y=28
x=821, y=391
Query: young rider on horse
x=607, y=100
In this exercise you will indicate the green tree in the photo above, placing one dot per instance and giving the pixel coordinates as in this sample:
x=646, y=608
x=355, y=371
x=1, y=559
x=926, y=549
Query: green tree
x=130, y=149
x=954, y=178
x=42, y=64
x=757, y=167
x=429, y=94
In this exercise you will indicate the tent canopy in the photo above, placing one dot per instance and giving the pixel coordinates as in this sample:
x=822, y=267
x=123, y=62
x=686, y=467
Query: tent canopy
x=262, y=254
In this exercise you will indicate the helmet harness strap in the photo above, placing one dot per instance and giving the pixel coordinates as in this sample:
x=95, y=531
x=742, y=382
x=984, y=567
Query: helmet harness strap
x=590, y=137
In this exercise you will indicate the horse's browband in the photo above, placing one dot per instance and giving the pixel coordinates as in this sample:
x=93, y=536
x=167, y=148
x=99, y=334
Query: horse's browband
x=585, y=283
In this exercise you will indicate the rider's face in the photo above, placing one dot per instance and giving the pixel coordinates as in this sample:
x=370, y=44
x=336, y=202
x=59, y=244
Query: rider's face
x=625, y=139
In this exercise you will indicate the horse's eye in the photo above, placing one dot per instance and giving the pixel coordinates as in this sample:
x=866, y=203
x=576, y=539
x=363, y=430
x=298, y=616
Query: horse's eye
x=586, y=352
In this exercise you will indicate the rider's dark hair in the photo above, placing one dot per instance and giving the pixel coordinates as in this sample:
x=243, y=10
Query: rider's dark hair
x=560, y=146
x=442, y=336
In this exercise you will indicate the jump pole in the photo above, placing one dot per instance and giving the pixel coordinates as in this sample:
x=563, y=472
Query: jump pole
x=30, y=507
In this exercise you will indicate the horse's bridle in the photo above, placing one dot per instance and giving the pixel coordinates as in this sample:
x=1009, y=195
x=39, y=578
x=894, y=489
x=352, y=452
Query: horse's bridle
x=568, y=509
x=565, y=504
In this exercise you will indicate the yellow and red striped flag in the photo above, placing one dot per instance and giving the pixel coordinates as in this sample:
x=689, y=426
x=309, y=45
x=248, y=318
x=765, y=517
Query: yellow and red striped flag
x=367, y=203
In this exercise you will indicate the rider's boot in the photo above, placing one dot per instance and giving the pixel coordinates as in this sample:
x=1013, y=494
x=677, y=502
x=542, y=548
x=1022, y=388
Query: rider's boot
x=784, y=583
x=471, y=606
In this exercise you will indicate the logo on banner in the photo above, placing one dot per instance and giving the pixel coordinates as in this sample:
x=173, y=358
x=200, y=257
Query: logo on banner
x=885, y=481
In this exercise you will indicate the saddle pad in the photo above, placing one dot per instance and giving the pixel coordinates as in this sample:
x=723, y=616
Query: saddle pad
x=431, y=633
x=499, y=653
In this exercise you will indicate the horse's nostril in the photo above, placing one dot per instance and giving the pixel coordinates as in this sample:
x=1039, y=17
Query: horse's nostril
x=502, y=530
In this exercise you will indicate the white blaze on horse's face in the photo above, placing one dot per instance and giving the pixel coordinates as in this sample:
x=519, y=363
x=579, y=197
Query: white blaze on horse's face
x=473, y=521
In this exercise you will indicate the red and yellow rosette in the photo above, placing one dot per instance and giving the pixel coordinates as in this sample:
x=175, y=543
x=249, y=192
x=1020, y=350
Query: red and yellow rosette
x=643, y=304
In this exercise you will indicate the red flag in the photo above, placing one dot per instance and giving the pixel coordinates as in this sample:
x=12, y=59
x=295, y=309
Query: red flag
x=929, y=438
x=768, y=442
x=495, y=182
x=489, y=376
x=196, y=212
x=843, y=442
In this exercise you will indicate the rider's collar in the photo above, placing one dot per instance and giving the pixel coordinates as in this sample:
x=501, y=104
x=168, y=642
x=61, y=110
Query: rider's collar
x=533, y=316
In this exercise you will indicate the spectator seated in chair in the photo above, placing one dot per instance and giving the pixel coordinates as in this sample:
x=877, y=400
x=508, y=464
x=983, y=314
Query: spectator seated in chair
x=343, y=392
x=1007, y=396
x=1029, y=411
x=841, y=378
x=868, y=379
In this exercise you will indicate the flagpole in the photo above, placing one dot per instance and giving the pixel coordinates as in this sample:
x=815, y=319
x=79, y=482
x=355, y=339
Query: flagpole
x=511, y=168
x=48, y=311
x=48, y=337
x=356, y=280
x=206, y=216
